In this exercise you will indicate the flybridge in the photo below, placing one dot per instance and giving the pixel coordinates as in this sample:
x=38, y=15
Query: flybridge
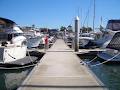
x=6, y=21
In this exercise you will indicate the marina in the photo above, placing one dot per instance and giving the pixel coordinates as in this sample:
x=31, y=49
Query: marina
x=57, y=62
x=59, y=45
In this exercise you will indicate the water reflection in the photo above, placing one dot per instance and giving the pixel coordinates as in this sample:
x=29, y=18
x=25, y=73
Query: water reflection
x=11, y=79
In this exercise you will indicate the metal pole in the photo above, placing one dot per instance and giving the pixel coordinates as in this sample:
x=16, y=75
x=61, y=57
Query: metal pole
x=77, y=29
x=94, y=17
x=65, y=35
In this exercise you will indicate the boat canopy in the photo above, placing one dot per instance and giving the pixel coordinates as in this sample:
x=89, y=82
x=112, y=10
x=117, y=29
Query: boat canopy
x=113, y=25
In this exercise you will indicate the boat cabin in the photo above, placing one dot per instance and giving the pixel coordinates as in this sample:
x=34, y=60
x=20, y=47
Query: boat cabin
x=8, y=30
x=113, y=25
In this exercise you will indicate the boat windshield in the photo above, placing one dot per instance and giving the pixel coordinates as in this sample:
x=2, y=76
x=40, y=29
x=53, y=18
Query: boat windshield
x=113, y=25
x=8, y=37
x=17, y=34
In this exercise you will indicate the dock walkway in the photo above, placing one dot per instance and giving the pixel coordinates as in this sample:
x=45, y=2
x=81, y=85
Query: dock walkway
x=60, y=69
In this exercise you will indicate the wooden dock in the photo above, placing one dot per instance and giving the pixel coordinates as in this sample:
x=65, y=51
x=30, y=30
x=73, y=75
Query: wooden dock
x=60, y=69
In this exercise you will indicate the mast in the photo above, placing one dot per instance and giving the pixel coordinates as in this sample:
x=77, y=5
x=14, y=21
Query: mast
x=101, y=28
x=94, y=16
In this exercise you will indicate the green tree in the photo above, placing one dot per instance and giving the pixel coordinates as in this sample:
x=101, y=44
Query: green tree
x=62, y=28
x=69, y=28
x=86, y=30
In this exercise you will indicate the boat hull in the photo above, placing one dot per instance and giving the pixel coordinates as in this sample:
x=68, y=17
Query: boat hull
x=12, y=53
x=34, y=42
x=83, y=41
x=109, y=55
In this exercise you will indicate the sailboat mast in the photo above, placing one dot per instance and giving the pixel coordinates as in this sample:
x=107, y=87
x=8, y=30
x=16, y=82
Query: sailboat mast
x=94, y=16
x=101, y=20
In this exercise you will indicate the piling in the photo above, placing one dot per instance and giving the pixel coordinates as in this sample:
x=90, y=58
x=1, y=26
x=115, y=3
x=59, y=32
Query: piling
x=77, y=34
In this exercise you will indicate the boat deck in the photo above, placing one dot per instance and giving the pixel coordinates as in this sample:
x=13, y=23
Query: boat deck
x=60, y=69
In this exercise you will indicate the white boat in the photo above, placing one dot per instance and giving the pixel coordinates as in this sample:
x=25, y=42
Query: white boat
x=12, y=43
x=111, y=41
x=34, y=38
x=51, y=39
x=85, y=38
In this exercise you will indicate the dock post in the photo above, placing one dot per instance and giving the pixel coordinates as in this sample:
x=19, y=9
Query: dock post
x=65, y=36
x=73, y=43
x=77, y=34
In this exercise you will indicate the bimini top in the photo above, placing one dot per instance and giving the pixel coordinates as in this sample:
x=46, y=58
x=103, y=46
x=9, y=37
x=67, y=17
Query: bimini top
x=114, y=25
x=6, y=21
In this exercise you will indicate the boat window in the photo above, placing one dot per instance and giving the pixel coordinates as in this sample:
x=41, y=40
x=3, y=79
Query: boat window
x=115, y=42
x=2, y=26
x=113, y=26
x=9, y=37
x=24, y=43
x=17, y=34
x=85, y=35
x=3, y=37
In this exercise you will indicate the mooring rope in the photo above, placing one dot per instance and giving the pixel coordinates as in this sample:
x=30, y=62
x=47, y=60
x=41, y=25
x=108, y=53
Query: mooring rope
x=30, y=57
x=11, y=55
x=105, y=61
x=91, y=60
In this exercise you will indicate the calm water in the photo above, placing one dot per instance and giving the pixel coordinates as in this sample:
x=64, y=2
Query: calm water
x=11, y=79
x=109, y=74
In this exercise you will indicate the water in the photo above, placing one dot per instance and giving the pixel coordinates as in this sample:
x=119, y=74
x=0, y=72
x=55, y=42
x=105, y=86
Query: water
x=109, y=74
x=11, y=79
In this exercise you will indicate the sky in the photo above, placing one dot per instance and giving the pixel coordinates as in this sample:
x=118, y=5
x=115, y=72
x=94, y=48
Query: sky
x=57, y=13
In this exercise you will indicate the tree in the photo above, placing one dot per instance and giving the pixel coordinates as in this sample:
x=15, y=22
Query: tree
x=86, y=30
x=62, y=28
x=69, y=28
x=33, y=26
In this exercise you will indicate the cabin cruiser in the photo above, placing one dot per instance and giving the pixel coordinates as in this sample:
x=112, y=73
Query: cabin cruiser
x=85, y=38
x=12, y=42
x=111, y=42
x=34, y=38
